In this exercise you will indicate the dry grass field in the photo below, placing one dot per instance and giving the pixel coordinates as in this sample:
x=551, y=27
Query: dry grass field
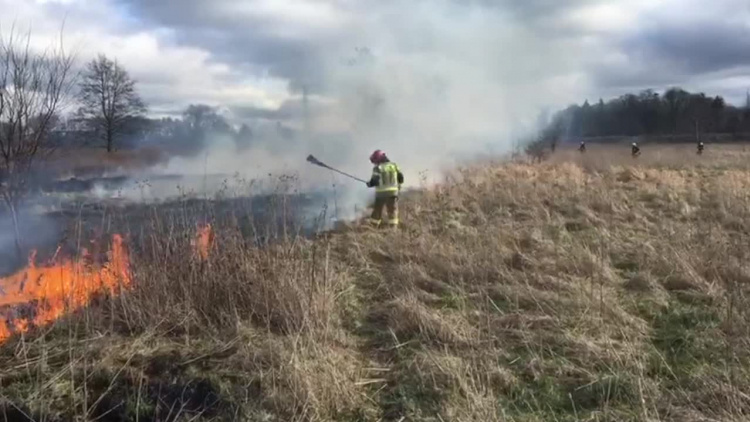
x=591, y=287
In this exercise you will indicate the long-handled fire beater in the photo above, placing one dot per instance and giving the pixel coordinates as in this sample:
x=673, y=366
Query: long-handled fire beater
x=313, y=160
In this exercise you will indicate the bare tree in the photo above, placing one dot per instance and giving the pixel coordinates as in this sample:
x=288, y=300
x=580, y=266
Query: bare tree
x=33, y=86
x=110, y=101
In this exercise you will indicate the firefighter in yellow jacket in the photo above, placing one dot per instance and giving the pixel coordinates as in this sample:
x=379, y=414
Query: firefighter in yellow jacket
x=387, y=180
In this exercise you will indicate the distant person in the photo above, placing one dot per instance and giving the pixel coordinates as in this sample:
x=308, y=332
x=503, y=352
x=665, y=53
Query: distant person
x=387, y=180
x=582, y=147
x=635, y=150
x=701, y=147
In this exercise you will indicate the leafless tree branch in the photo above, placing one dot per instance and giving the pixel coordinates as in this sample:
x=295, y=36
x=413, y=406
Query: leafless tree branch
x=33, y=86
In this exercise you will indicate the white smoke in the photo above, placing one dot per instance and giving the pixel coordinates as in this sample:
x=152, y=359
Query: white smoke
x=36, y=231
x=432, y=83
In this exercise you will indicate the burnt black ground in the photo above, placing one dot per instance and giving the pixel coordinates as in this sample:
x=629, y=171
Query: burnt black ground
x=80, y=224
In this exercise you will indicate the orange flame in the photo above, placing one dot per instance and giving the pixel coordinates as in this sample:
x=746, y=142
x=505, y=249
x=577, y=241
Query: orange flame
x=61, y=287
x=203, y=241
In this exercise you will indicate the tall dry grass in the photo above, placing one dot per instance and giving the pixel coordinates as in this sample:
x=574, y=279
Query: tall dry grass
x=594, y=287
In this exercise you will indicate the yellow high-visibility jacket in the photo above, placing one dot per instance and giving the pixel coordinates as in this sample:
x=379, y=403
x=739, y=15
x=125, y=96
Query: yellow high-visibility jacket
x=386, y=179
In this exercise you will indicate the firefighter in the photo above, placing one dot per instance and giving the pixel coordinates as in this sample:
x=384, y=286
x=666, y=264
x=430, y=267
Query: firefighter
x=387, y=180
x=635, y=150
x=582, y=147
x=700, y=148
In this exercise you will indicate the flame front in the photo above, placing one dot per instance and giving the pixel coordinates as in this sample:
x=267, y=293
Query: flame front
x=65, y=286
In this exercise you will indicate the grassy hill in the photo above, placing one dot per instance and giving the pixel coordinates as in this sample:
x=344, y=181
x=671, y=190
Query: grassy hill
x=592, y=288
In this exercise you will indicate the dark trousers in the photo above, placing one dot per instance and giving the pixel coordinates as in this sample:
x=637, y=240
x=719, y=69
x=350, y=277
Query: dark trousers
x=390, y=204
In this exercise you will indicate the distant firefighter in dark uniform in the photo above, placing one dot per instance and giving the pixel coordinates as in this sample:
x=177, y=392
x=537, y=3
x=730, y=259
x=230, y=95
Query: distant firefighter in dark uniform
x=635, y=150
x=701, y=147
x=582, y=147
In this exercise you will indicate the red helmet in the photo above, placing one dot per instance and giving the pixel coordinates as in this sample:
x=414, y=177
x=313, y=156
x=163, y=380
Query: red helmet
x=377, y=157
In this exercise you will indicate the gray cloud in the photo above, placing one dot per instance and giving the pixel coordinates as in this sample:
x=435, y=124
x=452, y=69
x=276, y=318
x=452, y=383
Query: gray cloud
x=664, y=47
x=670, y=42
x=688, y=43
x=247, y=38
x=699, y=48
x=710, y=47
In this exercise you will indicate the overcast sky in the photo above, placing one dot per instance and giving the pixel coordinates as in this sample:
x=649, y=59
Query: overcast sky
x=415, y=72
x=252, y=52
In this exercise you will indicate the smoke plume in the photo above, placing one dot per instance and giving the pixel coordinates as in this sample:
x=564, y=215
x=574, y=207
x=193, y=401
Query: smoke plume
x=430, y=82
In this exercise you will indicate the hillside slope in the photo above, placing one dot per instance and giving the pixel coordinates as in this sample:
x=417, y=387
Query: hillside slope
x=587, y=288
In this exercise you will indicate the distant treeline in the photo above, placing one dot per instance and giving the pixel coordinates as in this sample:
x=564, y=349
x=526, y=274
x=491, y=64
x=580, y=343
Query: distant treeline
x=198, y=126
x=676, y=114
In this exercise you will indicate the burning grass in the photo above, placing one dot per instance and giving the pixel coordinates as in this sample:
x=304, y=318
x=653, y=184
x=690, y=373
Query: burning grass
x=50, y=291
x=585, y=288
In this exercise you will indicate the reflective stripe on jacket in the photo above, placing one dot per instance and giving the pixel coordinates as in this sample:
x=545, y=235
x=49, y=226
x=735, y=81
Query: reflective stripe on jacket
x=387, y=176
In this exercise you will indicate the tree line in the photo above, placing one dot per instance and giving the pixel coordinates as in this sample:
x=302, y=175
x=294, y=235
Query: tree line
x=186, y=134
x=649, y=113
